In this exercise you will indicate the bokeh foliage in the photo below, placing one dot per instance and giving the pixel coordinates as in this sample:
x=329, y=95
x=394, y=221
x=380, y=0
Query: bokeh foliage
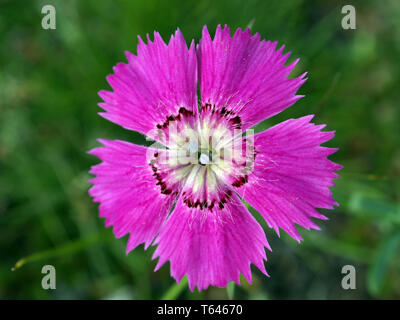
x=48, y=94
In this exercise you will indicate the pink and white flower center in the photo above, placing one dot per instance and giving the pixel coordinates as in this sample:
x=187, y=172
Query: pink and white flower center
x=204, y=156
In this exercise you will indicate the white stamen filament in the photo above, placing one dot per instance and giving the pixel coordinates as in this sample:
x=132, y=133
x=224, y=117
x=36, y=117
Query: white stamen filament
x=204, y=159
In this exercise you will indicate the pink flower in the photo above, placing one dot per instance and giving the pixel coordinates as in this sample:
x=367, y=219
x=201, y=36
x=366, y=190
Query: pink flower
x=183, y=194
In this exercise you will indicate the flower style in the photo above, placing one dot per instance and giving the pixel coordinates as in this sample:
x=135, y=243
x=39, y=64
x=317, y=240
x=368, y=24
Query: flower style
x=184, y=193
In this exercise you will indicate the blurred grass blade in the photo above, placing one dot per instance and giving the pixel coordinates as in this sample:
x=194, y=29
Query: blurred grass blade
x=230, y=290
x=251, y=23
x=377, y=271
x=335, y=247
x=68, y=248
x=374, y=207
x=175, y=290
x=327, y=94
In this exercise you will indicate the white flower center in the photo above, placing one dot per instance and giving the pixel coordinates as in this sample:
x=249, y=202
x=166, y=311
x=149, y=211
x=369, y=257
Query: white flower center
x=204, y=159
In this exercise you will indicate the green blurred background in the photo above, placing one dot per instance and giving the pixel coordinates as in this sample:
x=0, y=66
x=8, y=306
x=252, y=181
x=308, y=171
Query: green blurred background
x=49, y=81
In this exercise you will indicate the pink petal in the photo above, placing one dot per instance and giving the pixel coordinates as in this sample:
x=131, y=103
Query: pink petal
x=292, y=175
x=211, y=248
x=153, y=85
x=129, y=198
x=246, y=75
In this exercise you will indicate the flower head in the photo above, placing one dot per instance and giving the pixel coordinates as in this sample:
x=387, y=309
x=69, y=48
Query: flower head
x=184, y=193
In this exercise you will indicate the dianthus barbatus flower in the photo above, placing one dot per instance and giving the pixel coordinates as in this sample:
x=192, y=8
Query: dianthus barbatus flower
x=184, y=193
